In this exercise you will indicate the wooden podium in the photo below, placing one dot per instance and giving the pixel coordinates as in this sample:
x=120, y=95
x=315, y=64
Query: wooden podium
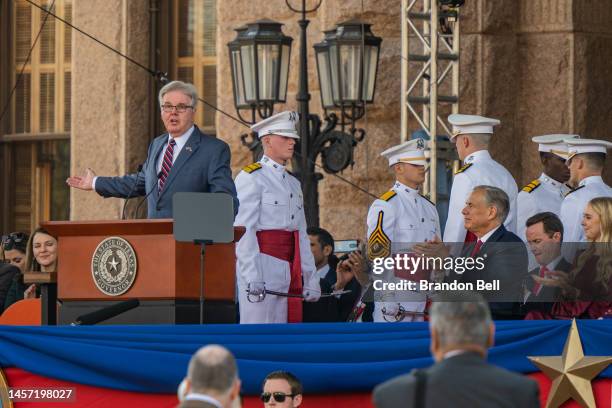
x=167, y=281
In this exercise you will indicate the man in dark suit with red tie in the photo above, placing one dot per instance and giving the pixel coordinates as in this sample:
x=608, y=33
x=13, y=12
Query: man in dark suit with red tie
x=181, y=160
x=544, y=235
x=502, y=252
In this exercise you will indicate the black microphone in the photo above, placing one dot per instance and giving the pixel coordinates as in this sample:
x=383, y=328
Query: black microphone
x=149, y=193
x=106, y=313
x=131, y=191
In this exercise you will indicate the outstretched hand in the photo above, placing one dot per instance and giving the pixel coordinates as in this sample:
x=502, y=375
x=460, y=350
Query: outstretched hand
x=84, y=182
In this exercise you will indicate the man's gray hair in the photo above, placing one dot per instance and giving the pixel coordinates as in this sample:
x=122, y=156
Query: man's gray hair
x=212, y=369
x=497, y=198
x=461, y=318
x=480, y=139
x=184, y=87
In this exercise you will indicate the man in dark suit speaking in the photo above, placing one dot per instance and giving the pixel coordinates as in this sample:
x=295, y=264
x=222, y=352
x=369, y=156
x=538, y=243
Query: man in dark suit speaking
x=461, y=332
x=182, y=160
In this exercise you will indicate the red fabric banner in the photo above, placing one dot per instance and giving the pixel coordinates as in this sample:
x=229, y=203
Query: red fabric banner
x=96, y=397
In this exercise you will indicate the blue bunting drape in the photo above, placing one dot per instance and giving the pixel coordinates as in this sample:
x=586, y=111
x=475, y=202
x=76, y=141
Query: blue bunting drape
x=326, y=357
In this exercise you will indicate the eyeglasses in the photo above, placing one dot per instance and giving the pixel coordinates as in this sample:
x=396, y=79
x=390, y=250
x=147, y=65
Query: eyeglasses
x=180, y=108
x=11, y=240
x=278, y=396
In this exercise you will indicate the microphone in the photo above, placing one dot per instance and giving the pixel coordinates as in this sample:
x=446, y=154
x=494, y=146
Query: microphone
x=149, y=193
x=106, y=313
x=131, y=191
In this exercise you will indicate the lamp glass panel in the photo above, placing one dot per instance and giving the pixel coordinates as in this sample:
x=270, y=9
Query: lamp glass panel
x=284, y=72
x=369, y=72
x=247, y=54
x=324, y=78
x=238, y=79
x=350, y=65
x=268, y=60
x=333, y=63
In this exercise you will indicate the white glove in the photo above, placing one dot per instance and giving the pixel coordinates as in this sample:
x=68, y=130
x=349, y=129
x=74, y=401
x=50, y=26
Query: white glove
x=256, y=288
x=311, y=295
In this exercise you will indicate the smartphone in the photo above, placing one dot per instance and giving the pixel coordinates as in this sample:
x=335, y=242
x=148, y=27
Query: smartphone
x=345, y=246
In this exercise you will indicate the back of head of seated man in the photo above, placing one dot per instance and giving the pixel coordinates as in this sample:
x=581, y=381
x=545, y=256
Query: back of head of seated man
x=212, y=379
x=282, y=389
x=461, y=331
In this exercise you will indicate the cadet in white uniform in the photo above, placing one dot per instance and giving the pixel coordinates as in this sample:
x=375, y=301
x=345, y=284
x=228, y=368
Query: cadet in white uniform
x=471, y=136
x=399, y=218
x=274, y=253
x=586, y=163
x=546, y=193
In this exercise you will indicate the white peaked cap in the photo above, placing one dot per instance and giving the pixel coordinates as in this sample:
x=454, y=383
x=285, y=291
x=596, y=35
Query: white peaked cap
x=281, y=124
x=470, y=124
x=554, y=144
x=413, y=152
x=578, y=146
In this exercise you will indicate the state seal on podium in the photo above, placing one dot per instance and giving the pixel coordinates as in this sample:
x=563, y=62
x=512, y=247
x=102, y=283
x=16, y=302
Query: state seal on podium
x=114, y=266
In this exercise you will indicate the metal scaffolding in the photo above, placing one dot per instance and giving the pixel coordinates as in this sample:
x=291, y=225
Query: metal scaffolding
x=430, y=47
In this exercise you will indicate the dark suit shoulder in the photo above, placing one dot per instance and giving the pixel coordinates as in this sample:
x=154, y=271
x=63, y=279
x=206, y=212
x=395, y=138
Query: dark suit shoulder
x=503, y=235
x=398, y=391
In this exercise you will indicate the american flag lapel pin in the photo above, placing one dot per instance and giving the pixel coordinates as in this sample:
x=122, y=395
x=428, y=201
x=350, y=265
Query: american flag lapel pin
x=188, y=148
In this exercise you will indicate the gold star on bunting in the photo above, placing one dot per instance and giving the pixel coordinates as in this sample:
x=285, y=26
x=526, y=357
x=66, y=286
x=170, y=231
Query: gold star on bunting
x=572, y=372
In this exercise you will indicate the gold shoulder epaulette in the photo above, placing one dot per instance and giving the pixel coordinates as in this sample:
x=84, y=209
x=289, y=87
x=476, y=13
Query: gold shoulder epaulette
x=574, y=190
x=532, y=186
x=464, y=168
x=430, y=202
x=251, y=167
x=388, y=195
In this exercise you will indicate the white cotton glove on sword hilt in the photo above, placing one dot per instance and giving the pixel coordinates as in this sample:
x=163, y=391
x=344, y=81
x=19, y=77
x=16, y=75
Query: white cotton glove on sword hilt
x=311, y=295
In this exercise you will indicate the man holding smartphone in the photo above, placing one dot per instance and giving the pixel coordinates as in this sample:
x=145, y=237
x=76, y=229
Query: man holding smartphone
x=397, y=220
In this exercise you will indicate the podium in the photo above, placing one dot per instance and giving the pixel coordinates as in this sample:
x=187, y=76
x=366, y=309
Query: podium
x=166, y=280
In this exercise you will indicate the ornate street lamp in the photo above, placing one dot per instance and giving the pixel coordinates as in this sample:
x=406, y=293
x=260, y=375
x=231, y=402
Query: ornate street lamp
x=347, y=62
x=259, y=61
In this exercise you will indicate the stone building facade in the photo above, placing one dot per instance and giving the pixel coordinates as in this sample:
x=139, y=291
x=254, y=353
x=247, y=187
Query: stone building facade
x=540, y=66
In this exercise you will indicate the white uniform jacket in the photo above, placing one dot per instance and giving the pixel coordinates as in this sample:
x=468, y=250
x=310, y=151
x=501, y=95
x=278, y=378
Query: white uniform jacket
x=397, y=220
x=479, y=169
x=572, y=210
x=543, y=194
x=270, y=199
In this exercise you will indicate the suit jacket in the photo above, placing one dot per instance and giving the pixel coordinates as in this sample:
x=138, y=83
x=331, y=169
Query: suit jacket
x=8, y=273
x=548, y=294
x=203, y=165
x=465, y=380
x=347, y=301
x=505, y=259
x=195, y=404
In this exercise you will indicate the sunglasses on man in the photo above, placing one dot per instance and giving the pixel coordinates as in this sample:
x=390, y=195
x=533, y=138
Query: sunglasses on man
x=278, y=396
x=12, y=240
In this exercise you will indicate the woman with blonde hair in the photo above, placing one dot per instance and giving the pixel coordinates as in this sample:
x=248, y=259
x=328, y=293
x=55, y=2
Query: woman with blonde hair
x=587, y=289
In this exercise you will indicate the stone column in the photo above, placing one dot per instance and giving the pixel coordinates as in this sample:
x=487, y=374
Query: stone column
x=109, y=94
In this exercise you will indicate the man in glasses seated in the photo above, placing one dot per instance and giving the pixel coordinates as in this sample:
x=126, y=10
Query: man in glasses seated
x=182, y=160
x=282, y=389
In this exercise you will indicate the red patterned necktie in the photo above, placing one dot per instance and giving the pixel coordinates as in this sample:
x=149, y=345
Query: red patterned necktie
x=537, y=286
x=166, y=164
x=476, y=248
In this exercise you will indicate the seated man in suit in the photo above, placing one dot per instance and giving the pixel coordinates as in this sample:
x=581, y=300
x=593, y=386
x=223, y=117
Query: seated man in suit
x=461, y=332
x=212, y=379
x=544, y=235
x=329, y=309
x=282, y=389
x=182, y=160
x=502, y=252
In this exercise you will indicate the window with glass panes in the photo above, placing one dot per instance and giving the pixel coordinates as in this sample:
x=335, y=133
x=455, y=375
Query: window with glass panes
x=196, y=53
x=39, y=142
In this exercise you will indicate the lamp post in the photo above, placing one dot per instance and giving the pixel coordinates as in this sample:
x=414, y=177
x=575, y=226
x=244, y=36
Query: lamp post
x=347, y=62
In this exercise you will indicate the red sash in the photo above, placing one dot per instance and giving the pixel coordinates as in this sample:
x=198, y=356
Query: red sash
x=285, y=245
